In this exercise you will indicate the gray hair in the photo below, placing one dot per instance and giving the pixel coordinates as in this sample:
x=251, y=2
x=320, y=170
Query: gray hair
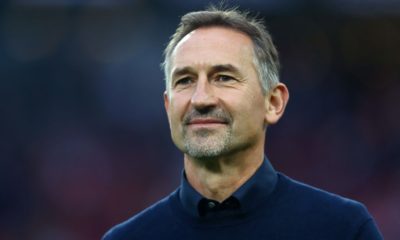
x=266, y=56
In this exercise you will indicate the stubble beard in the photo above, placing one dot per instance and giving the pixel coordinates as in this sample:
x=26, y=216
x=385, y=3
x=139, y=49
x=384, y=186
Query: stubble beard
x=206, y=143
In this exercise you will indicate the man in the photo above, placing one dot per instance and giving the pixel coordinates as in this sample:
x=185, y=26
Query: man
x=222, y=92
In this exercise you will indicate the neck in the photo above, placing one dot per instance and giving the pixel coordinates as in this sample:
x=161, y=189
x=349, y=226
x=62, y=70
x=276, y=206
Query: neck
x=218, y=178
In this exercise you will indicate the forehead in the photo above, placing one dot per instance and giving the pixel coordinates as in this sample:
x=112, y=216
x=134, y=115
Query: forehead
x=213, y=45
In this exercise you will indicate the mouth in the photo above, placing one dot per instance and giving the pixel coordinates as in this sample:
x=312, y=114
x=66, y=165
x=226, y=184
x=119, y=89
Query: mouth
x=206, y=122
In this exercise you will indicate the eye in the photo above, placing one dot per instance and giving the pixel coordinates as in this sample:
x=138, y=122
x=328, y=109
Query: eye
x=183, y=81
x=224, y=78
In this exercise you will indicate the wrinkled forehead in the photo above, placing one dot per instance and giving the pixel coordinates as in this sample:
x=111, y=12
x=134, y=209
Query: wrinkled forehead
x=213, y=45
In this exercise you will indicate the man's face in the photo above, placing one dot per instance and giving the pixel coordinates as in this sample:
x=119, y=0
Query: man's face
x=214, y=99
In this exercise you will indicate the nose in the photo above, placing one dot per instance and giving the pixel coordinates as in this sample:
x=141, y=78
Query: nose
x=203, y=95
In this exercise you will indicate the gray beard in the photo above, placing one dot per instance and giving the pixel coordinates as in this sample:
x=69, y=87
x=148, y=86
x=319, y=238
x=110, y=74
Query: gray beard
x=207, y=144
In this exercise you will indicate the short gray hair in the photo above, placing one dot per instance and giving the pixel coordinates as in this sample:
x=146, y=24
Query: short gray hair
x=266, y=56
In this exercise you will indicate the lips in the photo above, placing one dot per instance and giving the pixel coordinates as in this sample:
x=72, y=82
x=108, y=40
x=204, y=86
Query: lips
x=206, y=121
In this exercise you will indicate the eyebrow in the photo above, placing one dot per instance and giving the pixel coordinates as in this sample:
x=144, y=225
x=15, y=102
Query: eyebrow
x=214, y=69
x=182, y=71
x=224, y=68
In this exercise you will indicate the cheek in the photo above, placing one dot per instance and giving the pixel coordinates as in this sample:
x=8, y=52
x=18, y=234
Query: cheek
x=176, y=110
x=172, y=115
x=251, y=110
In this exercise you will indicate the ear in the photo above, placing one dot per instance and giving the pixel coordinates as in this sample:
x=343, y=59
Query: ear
x=166, y=101
x=275, y=103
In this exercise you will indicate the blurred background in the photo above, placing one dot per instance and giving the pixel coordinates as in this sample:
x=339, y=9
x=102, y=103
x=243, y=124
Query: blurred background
x=84, y=139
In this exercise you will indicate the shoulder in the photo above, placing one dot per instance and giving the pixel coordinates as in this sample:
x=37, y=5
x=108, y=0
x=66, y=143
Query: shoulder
x=321, y=206
x=140, y=223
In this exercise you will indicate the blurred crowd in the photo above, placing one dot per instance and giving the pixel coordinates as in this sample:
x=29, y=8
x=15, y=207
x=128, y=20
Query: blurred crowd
x=84, y=139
